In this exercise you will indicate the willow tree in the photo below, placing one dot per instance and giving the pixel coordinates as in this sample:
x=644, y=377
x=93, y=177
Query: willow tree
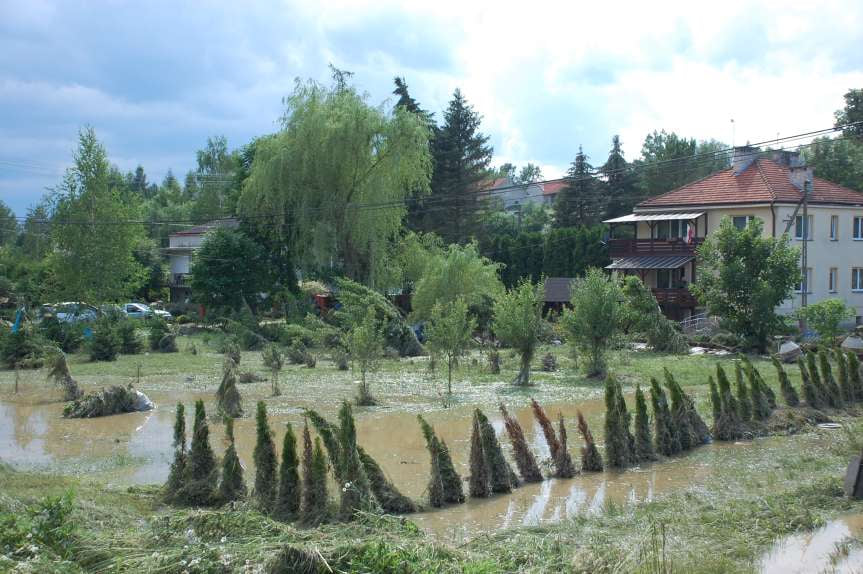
x=333, y=182
x=517, y=321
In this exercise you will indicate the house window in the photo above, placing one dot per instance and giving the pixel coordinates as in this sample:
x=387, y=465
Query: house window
x=834, y=228
x=857, y=279
x=801, y=230
x=858, y=229
x=672, y=229
x=807, y=282
x=741, y=221
x=832, y=280
x=663, y=279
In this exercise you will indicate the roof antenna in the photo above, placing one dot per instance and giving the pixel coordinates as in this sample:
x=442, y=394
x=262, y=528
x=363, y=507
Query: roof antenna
x=732, y=132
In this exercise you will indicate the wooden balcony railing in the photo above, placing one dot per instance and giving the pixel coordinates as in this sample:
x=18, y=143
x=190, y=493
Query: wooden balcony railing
x=179, y=280
x=675, y=297
x=629, y=247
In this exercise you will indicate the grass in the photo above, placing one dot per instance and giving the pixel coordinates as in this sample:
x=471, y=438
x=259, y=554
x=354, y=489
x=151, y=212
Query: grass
x=722, y=524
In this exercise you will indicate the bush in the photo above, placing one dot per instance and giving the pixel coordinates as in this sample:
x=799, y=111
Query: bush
x=292, y=334
x=68, y=337
x=130, y=343
x=825, y=317
x=726, y=339
x=25, y=349
x=157, y=328
x=105, y=343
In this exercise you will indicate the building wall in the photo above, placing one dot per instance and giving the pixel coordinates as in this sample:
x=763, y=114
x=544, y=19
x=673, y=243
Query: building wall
x=180, y=263
x=193, y=241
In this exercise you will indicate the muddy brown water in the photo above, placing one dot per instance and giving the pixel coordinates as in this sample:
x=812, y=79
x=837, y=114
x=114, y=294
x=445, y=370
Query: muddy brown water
x=135, y=448
x=832, y=548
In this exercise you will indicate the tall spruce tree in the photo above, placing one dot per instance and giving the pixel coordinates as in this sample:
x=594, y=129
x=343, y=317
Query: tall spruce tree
x=499, y=471
x=619, y=186
x=177, y=475
x=288, y=498
x=265, y=462
x=680, y=421
x=643, y=438
x=313, y=504
x=616, y=442
x=578, y=203
x=461, y=158
x=356, y=493
x=232, y=487
x=667, y=441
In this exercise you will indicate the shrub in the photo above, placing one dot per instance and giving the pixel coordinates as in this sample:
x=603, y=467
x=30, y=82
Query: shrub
x=500, y=474
x=157, y=328
x=517, y=320
x=494, y=362
x=643, y=438
x=524, y=459
x=549, y=363
x=825, y=317
x=265, y=462
x=288, y=498
x=444, y=483
x=595, y=318
x=643, y=314
x=227, y=395
x=130, y=342
x=387, y=495
x=591, y=460
x=177, y=475
x=479, y=485
x=854, y=375
x=59, y=371
x=848, y=394
x=811, y=393
x=232, y=486
x=25, y=348
x=356, y=492
x=365, y=341
x=744, y=406
x=313, y=504
x=788, y=391
x=105, y=342
x=340, y=358
x=667, y=441
x=617, y=451
x=201, y=472
x=68, y=337
x=231, y=349
x=274, y=361
x=834, y=395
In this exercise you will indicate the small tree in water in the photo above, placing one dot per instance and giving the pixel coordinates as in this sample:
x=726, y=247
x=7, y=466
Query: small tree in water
x=591, y=460
x=500, y=474
x=524, y=458
x=313, y=504
x=594, y=318
x=202, y=474
x=177, y=476
x=59, y=371
x=854, y=375
x=643, y=438
x=274, y=361
x=744, y=406
x=265, y=462
x=667, y=441
x=227, y=395
x=448, y=333
x=517, y=321
x=288, y=497
x=232, y=486
x=479, y=485
x=366, y=346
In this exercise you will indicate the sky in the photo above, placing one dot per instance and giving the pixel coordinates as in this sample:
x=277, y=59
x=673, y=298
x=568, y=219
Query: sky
x=156, y=78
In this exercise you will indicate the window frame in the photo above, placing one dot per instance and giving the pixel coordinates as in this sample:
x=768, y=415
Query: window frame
x=857, y=276
x=798, y=228
x=670, y=282
x=857, y=228
x=834, y=228
x=805, y=281
x=746, y=219
x=833, y=280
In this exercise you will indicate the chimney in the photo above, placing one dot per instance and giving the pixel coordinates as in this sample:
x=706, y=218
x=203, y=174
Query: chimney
x=801, y=177
x=743, y=158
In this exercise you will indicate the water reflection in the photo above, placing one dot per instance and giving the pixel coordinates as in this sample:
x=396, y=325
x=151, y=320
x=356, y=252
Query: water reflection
x=832, y=548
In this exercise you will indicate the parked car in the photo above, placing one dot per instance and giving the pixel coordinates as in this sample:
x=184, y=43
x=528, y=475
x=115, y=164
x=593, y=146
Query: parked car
x=74, y=312
x=137, y=311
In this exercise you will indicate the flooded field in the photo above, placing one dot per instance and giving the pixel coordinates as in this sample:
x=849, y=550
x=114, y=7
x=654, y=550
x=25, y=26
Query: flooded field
x=835, y=548
x=136, y=449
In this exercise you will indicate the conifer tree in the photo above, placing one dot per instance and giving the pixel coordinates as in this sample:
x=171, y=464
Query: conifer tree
x=387, y=495
x=202, y=473
x=760, y=404
x=444, y=482
x=727, y=427
x=356, y=493
x=524, y=459
x=680, y=421
x=616, y=442
x=313, y=506
x=265, y=462
x=811, y=393
x=664, y=435
x=715, y=401
x=788, y=391
x=834, y=395
x=578, y=203
x=844, y=381
x=452, y=485
x=288, y=498
x=854, y=375
x=227, y=395
x=232, y=487
x=499, y=471
x=178, y=468
x=547, y=429
x=766, y=390
x=817, y=382
x=564, y=464
x=744, y=406
x=591, y=460
x=478, y=485
x=625, y=419
x=643, y=438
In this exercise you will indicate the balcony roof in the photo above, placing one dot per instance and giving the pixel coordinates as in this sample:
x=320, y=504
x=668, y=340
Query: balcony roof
x=634, y=217
x=651, y=262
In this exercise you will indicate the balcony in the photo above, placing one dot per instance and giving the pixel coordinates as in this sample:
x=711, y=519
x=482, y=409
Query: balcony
x=179, y=280
x=630, y=247
x=675, y=297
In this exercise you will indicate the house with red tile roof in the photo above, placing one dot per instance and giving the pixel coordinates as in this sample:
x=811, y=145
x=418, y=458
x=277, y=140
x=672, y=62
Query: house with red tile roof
x=182, y=245
x=765, y=185
x=513, y=195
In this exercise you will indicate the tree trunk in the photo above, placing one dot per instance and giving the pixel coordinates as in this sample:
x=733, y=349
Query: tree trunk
x=449, y=376
x=523, y=378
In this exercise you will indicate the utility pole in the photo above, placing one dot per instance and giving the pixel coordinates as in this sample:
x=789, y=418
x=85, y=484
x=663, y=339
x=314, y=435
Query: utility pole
x=807, y=188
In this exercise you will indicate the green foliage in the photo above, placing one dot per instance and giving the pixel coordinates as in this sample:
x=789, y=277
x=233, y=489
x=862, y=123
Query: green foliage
x=643, y=438
x=691, y=160
x=461, y=158
x=201, y=470
x=591, y=460
x=643, y=315
x=274, y=361
x=727, y=425
x=25, y=348
x=499, y=475
x=356, y=492
x=365, y=343
x=811, y=392
x=288, y=499
x=130, y=342
x=177, y=475
x=227, y=395
x=335, y=151
x=157, y=329
x=760, y=403
x=833, y=393
x=479, y=483
x=848, y=394
x=445, y=485
x=229, y=271
x=46, y=526
x=789, y=393
x=617, y=448
x=265, y=462
x=449, y=333
x=92, y=261
x=68, y=336
x=517, y=323
x=455, y=273
x=744, y=276
x=313, y=504
x=855, y=376
x=105, y=343
x=839, y=160
x=594, y=318
x=579, y=203
x=232, y=487
x=824, y=318
x=387, y=495
x=524, y=459
x=666, y=439
x=744, y=406
x=851, y=113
